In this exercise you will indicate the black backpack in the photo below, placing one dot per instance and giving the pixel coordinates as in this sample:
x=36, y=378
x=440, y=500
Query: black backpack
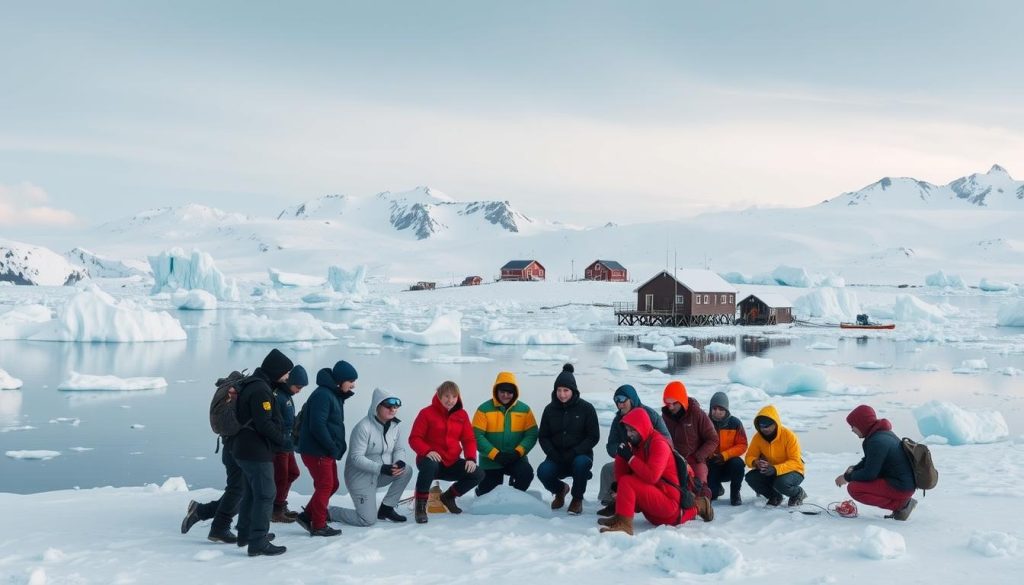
x=224, y=405
x=687, y=494
x=297, y=425
x=925, y=475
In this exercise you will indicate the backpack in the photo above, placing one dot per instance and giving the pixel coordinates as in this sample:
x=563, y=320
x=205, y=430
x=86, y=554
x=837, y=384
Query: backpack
x=297, y=425
x=920, y=457
x=686, y=495
x=224, y=405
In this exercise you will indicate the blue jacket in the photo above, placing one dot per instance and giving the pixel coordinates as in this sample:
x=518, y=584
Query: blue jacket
x=617, y=435
x=285, y=407
x=323, y=431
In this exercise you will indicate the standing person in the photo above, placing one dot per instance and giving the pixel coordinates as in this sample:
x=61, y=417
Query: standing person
x=884, y=477
x=505, y=432
x=727, y=462
x=322, y=442
x=777, y=468
x=445, y=448
x=692, y=432
x=626, y=399
x=254, y=448
x=648, y=480
x=286, y=469
x=376, y=458
x=568, y=433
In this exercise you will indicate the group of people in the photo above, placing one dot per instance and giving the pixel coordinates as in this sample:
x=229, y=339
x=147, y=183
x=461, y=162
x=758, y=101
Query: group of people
x=667, y=464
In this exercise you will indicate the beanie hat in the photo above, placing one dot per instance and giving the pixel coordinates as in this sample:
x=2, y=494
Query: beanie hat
x=676, y=390
x=720, y=399
x=276, y=364
x=298, y=377
x=505, y=387
x=862, y=418
x=566, y=379
x=344, y=372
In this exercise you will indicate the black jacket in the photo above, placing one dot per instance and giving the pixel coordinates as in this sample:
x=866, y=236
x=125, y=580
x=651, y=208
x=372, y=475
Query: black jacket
x=569, y=429
x=884, y=458
x=261, y=436
x=322, y=433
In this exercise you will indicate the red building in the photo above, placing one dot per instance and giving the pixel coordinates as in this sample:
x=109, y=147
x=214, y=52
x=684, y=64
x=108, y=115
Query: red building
x=471, y=281
x=609, y=270
x=522, y=270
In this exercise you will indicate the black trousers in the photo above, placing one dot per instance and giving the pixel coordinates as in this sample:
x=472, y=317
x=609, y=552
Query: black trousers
x=257, y=503
x=429, y=470
x=731, y=471
x=223, y=510
x=520, y=474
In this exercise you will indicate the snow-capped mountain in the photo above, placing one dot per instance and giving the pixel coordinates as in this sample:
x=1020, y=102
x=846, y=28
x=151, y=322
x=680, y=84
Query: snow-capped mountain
x=182, y=220
x=423, y=212
x=34, y=265
x=995, y=189
x=103, y=267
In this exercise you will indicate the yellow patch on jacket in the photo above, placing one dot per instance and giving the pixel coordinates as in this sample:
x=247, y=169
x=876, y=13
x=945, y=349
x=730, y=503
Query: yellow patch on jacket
x=266, y=406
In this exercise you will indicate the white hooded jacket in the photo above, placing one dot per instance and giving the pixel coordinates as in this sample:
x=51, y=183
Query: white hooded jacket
x=369, y=448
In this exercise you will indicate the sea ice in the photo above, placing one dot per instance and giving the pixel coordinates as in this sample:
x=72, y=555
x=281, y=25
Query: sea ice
x=959, y=426
x=194, y=300
x=93, y=315
x=531, y=337
x=38, y=455
x=775, y=380
x=445, y=329
x=8, y=382
x=297, y=327
x=453, y=359
x=822, y=345
x=991, y=285
x=869, y=365
x=536, y=355
x=89, y=382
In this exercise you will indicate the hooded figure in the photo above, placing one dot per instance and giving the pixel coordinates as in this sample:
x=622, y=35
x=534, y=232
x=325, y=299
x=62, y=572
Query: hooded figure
x=568, y=433
x=777, y=466
x=505, y=431
x=883, y=477
x=691, y=430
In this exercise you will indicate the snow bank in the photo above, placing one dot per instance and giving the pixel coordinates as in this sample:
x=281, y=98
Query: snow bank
x=682, y=556
x=282, y=279
x=445, y=329
x=174, y=270
x=992, y=543
x=829, y=304
x=959, y=426
x=298, y=327
x=990, y=285
x=531, y=337
x=782, y=379
x=879, y=543
x=943, y=280
x=39, y=455
x=8, y=382
x=348, y=281
x=1011, y=314
x=506, y=499
x=194, y=300
x=93, y=315
x=616, y=359
x=911, y=308
x=89, y=382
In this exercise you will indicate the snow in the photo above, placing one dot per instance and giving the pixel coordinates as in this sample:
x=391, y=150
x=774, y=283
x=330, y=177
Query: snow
x=531, y=337
x=174, y=269
x=616, y=359
x=299, y=327
x=79, y=381
x=783, y=379
x=993, y=543
x=444, y=329
x=703, y=281
x=103, y=267
x=943, y=280
x=717, y=347
x=681, y=556
x=828, y=304
x=348, y=281
x=772, y=299
x=959, y=426
x=879, y=543
x=39, y=455
x=8, y=382
x=194, y=300
x=910, y=308
x=280, y=279
x=870, y=365
x=1011, y=314
x=29, y=264
x=992, y=285
x=505, y=500
x=93, y=315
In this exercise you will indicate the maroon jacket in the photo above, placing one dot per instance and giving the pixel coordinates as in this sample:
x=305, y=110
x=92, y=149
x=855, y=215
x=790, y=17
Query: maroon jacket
x=693, y=433
x=448, y=433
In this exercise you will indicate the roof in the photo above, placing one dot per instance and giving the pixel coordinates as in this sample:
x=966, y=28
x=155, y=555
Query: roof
x=611, y=264
x=703, y=281
x=771, y=299
x=648, y=281
x=517, y=264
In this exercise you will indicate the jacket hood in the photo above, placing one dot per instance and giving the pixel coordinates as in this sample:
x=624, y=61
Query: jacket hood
x=864, y=419
x=505, y=378
x=676, y=390
x=629, y=392
x=379, y=396
x=720, y=399
x=638, y=419
x=770, y=412
x=326, y=379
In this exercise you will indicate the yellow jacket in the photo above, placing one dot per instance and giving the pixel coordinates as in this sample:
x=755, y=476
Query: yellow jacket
x=783, y=452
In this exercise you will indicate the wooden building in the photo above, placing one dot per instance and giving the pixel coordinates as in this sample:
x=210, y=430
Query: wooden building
x=608, y=270
x=423, y=285
x=765, y=309
x=522, y=270
x=696, y=298
x=471, y=281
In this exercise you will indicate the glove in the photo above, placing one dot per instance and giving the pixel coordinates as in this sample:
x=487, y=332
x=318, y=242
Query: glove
x=624, y=451
x=400, y=464
x=385, y=470
x=768, y=470
x=503, y=458
x=716, y=459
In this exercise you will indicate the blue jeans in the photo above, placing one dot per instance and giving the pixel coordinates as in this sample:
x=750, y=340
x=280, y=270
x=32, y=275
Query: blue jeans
x=551, y=472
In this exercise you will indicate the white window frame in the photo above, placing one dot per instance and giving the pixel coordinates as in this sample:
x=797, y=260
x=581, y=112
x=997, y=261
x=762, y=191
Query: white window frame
x=696, y=299
x=706, y=300
x=680, y=299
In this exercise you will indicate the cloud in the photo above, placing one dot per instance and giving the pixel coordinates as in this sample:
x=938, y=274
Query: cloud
x=24, y=204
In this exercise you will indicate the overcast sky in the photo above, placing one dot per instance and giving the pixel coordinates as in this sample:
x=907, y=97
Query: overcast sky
x=585, y=112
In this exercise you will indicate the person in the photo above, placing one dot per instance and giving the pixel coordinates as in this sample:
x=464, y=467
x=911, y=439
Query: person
x=626, y=399
x=445, y=446
x=776, y=466
x=254, y=447
x=568, y=433
x=322, y=442
x=286, y=469
x=692, y=432
x=648, y=480
x=376, y=458
x=883, y=477
x=727, y=462
x=505, y=432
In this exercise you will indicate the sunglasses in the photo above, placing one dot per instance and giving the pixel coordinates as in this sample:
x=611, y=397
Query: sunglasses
x=392, y=403
x=506, y=391
x=619, y=399
x=766, y=425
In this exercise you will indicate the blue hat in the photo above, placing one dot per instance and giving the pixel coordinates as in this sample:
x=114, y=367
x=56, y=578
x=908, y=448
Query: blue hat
x=344, y=372
x=298, y=377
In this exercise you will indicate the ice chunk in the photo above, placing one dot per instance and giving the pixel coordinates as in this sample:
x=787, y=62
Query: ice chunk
x=822, y=345
x=445, y=329
x=616, y=359
x=88, y=382
x=194, y=300
x=531, y=337
x=298, y=327
x=941, y=279
x=719, y=347
x=1011, y=314
x=18, y=321
x=174, y=484
x=93, y=315
x=282, y=279
x=678, y=554
x=782, y=379
x=505, y=500
x=348, y=281
x=911, y=308
x=990, y=285
x=684, y=348
x=639, y=354
x=959, y=426
x=992, y=543
x=879, y=543
x=978, y=364
x=37, y=577
x=869, y=365
x=38, y=455
x=174, y=270
x=8, y=382
x=829, y=304
x=1010, y=371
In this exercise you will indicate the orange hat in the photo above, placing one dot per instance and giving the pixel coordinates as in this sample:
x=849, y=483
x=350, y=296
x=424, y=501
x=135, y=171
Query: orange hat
x=676, y=390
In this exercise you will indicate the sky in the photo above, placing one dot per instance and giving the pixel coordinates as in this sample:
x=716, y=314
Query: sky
x=584, y=112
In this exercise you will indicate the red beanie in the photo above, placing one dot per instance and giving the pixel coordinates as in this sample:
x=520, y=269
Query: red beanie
x=676, y=390
x=862, y=418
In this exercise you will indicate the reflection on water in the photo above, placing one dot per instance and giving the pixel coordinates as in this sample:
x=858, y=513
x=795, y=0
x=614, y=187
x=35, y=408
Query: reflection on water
x=79, y=398
x=10, y=405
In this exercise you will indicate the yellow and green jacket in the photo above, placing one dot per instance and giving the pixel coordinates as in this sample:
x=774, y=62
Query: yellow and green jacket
x=499, y=428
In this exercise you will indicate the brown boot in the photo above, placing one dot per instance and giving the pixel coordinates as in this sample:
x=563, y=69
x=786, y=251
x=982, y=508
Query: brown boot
x=559, y=501
x=607, y=521
x=704, y=509
x=576, y=507
x=421, y=511
x=620, y=524
x=608, y=509
x=448, y=499
x=283, y=514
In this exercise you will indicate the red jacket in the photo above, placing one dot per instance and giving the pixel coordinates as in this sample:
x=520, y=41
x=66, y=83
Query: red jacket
x=652, y=459
x=448, y=433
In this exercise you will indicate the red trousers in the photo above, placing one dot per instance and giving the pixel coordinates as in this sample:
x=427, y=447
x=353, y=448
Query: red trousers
x=286, y=471
x=878, y=492
x=658, y=508
x=324, y=471
x=700, y=471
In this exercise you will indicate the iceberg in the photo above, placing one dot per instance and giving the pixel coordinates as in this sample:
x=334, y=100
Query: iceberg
x=775, y=380
x=719, y=347
x=88, y=382
x=445, y=329
x=829, y=304
x=8, y=382
x=297, y=327
x=348, y=281
x=282, y=279
x=943, y=280
x=990, y=285
x=194, y=300
x=1011, y=314
x=174, y=270
x=616, y=359
x=959, y=426
x=93, y=315
x=911, y=308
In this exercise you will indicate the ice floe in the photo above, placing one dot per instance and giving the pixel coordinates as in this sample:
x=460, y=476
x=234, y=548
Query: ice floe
x=8, y=382
x=299, y=327
x=444, y=329
x=93, y=315
x=959, y=426
x=79, y=381
x=30, y=455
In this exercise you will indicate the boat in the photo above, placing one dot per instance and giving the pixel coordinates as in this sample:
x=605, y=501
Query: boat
x=867, y=326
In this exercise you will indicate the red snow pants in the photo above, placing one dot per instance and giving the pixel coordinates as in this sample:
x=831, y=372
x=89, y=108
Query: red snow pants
x=286, y=471
x=324, y=471
x=657, y=507
x=879, y=493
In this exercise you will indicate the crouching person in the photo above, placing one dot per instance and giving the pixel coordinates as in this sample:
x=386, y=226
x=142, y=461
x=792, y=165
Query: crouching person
x=777, y=468
x=376, y=458
x=884, y=477
x=648, y=481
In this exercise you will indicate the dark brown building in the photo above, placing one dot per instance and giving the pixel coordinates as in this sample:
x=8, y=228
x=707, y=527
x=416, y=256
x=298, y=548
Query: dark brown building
x=471, y=281
x=765, y=309
x=423, y=285
x=608, y=270
x=697, y=297
x=522, y=270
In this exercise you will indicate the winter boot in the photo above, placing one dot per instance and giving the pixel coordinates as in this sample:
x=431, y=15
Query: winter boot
x=608, y=509
x=245, y=541
x=798, y=499
x=559, y=500
x=448, y=499
x=719, y=492
x=304, y=520
x=224, y=536
x=283, y=514
x=607, y=521
x=576, y=506
x=774, y=500
x=735, y=499
x=704, y=509
x=325, y=531
x=904, y=512
x=191, y=516
x=388, y=513
x=270, y=550
x=421, y=511
x=619, y=524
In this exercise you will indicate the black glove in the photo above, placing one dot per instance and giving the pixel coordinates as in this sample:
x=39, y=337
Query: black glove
x=768, y=470
x=716, y=459
x=504, y=458
x=624, y=451
x=385, y=469
x=400, y=464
